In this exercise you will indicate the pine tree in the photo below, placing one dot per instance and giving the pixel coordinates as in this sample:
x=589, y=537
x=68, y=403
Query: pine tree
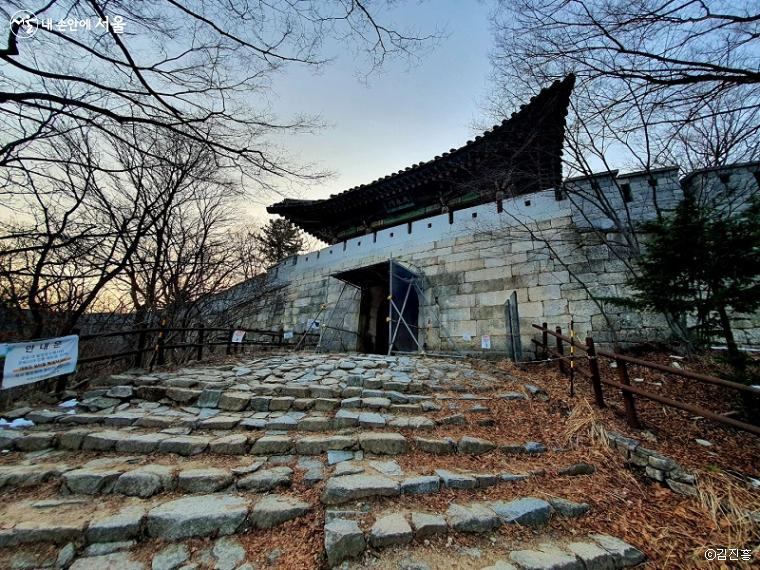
x=279, y=239
x=703, y=263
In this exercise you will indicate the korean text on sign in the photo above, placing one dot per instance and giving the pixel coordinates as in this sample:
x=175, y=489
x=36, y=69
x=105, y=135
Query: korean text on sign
x=27, y=362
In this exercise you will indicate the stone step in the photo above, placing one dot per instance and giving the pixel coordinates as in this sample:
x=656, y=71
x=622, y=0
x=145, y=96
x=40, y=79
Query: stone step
x=244, y=397
x=358, y=480
x=272, y=384
x=242, y=387
x=187, y=392
x=344, y=538
x=162, y=406
x=246, y=421
x=225, y=552
x=109, y=520
x=89, y=545
x=353, y=475
x=119, y=402
x=353, y=479
x=223, y=410
x=219, y=449
x=120, y=475
x=129, y=440
x=312, y=367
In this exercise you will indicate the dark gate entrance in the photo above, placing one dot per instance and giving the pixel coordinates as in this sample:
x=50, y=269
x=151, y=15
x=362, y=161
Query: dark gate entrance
x=389, y=307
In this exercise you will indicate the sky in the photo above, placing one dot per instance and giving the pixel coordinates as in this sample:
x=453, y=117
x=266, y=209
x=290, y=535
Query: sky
x=404, y=114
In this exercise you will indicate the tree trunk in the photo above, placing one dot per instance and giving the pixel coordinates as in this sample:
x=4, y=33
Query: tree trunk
x=735, y=357
x=679, y=332
x=750, y=402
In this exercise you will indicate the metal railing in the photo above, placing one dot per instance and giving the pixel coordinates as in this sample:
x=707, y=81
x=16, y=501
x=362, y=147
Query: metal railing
x=624, y=384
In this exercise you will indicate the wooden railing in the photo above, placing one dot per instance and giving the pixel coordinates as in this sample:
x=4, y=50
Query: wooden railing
x=206, y=338
x=153, y=341
x=593, y=373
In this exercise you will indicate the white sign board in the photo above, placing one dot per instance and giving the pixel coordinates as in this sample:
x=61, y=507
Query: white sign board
x=485, y=342
x=27, y=362
x=287, y=335
x=238, y=336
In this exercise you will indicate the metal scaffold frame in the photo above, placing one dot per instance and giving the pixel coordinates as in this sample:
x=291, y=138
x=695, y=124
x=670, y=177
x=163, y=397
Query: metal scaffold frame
x=412, y=281
x=442, y=332
x=327, y=327
x=307, y=328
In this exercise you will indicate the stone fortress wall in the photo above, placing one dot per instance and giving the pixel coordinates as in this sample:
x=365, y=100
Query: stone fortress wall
x=537, y=245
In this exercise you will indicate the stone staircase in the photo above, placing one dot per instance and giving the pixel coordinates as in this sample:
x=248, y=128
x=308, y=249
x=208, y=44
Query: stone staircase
x=131, y=472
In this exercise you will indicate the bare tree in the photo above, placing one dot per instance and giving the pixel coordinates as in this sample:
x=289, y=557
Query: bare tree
x=94, y=119
x=719, y=138
x=249, y=261
x=650, y=74
x=657, y=83
x=67, y=239
x=188, y=202
x=189, y=68
x=153, y=217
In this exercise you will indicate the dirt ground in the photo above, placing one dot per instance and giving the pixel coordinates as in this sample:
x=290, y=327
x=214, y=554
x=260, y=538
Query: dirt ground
x=673, y=530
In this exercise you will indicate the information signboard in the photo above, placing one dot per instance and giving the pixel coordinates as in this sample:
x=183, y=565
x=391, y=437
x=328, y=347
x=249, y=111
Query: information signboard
x=27, y=362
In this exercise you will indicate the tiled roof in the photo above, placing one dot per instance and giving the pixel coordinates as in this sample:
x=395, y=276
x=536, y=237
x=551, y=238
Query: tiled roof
x=533, y=135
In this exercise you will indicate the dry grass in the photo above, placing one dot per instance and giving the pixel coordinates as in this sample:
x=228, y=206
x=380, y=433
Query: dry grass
x=584, y=421
x=672, y=529
x=721, y=516
x=729, y=502
x=675, y=431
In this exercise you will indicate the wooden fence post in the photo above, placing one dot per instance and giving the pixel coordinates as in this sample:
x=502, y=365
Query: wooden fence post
x=596, y=379
x=560, y=351
x=229, y=342
x=141, y=339
x=630, y=406
x=160, y=344
x=200, y=342
x=545, y=340
x=60, y=384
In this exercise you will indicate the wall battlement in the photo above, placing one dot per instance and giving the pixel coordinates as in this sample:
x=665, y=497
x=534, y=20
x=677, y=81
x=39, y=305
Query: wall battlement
x=552, y=249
